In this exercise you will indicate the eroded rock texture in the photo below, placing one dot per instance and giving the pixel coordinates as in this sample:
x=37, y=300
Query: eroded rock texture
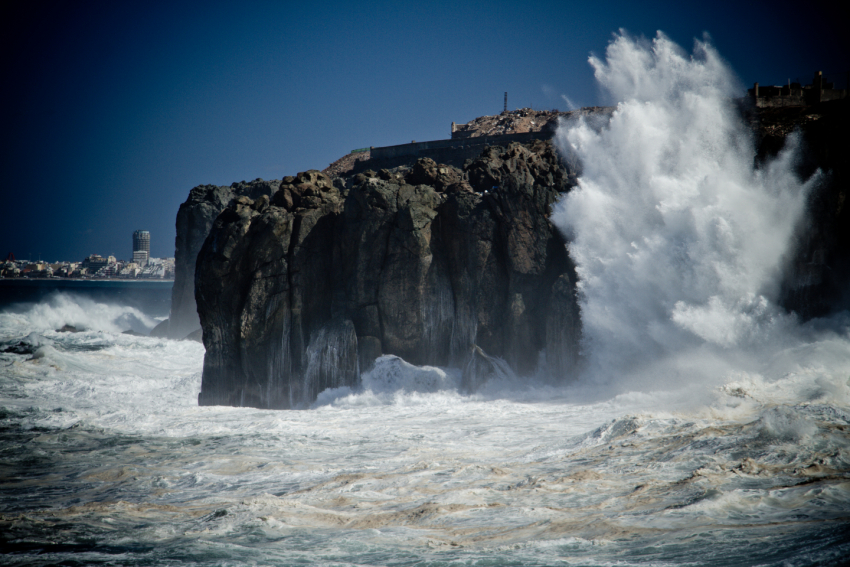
x=194, y=221
x=439, y=266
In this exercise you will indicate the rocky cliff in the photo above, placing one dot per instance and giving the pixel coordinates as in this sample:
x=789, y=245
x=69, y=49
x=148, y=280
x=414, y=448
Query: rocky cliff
x=302, y=283
x=438, y=265
x=194, y=221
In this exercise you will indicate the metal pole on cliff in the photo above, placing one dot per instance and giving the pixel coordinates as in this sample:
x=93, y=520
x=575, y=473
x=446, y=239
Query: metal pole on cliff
x=506, y=102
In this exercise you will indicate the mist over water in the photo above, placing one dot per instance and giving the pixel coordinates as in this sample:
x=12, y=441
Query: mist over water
x=678, y=239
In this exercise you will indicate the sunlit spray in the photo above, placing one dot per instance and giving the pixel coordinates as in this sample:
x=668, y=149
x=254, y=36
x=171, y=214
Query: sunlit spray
x=678, y=239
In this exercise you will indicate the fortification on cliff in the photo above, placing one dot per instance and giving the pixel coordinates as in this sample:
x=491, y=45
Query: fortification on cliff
x=467, y=141
x=795, y=94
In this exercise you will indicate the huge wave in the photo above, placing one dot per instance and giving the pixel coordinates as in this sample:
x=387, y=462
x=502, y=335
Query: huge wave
x=679, y=240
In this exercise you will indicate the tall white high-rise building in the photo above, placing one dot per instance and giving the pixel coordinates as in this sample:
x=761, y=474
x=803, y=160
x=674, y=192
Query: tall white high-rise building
x=141, y=247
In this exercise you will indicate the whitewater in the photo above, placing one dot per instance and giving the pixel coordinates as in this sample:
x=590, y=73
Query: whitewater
x=707, y=426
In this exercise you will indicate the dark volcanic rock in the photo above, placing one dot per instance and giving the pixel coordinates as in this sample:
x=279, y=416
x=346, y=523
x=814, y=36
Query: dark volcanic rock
x=301, y=288
x=563, y=325
x=817, y=278
x=299, y=293
x=194, y=221
x=263, y=290
x=197, y=336
x=480, y=368
x=428, y=172
x=20, y=348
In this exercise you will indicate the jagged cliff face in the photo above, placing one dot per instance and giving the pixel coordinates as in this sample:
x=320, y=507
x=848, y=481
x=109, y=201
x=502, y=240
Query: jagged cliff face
x=440, y=266
x=300, y=289
x=194, y=221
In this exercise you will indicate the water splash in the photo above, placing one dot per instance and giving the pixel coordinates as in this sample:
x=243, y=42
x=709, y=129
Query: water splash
x=677, y=238
x=60, y=308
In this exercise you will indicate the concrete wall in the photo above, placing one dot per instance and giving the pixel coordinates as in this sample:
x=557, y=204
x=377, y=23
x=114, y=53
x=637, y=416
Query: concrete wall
x=457, y=150
x=780, y=100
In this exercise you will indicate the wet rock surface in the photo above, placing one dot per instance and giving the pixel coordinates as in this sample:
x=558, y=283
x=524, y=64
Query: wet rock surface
x=816, y=280
x=431, y=263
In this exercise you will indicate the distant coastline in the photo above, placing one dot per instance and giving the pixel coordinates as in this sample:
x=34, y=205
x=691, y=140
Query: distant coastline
x=64, y=281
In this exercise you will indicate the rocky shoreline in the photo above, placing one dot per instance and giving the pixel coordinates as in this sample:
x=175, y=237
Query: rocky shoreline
x=440, y=266
x=301, y=283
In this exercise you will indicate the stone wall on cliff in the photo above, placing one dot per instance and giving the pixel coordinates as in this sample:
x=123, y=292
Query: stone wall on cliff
x=437, y=265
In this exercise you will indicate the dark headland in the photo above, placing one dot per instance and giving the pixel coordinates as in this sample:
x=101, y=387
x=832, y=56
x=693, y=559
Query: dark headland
x=441, y=253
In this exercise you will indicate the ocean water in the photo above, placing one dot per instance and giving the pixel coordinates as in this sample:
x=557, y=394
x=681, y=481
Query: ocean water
x=106, y=458
x=708, y=427
x=149, y=298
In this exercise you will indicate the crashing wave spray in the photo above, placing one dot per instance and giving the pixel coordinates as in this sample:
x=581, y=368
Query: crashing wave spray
x=677, y=238
x=61, y=308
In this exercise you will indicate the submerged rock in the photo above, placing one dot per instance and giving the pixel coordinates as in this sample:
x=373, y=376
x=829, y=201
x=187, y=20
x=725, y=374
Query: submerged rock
x=196, y=336
x=161, y=330
x=302, y=291
x=19, y=348
x=28, y=345
x=68, y=329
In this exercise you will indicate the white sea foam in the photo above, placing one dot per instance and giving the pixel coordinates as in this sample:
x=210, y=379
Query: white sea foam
x=677, y=239
x=61, y=308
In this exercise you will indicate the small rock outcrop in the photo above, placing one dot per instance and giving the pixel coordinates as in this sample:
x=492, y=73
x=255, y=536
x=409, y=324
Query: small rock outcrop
x=438, y=265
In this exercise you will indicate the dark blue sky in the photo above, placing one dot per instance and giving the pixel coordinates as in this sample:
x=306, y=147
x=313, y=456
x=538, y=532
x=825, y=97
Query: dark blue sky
x=113, y=111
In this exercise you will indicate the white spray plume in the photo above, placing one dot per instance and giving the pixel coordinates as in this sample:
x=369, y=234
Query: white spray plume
x=570, y=104
x=677, y=238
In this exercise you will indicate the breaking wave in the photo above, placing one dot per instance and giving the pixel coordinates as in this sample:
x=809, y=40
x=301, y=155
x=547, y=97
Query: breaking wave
x=678, y=239
x=61, y=308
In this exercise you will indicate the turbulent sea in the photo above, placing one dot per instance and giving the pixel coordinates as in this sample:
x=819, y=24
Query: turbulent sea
x=707, y=426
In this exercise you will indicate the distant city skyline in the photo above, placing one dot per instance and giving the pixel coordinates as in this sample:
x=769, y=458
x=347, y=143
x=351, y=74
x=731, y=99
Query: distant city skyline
x=141, y=240
x=114, y=111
